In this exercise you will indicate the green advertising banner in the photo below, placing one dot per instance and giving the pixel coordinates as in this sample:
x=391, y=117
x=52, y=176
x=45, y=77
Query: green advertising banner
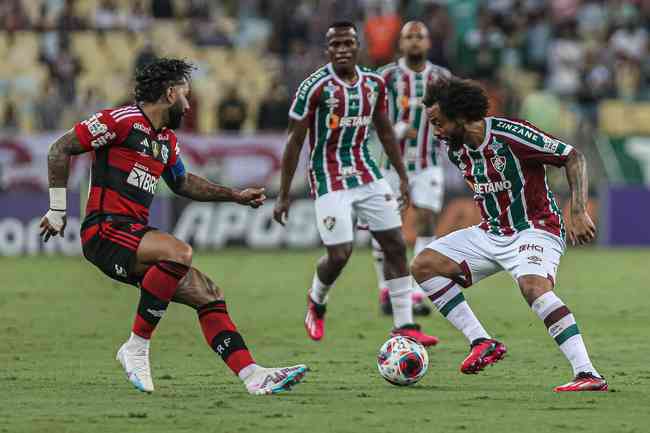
x=627, y=159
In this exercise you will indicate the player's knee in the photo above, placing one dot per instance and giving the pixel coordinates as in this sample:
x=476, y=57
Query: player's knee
x=182, y=253
x=339, y=256
x=395, y=250
x=421, y=269
x=533, y=286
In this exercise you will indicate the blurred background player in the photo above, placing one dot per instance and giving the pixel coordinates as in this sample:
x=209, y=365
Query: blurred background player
x=337, y=104
x=406, y=82
x=133, y=147
x=522, y=231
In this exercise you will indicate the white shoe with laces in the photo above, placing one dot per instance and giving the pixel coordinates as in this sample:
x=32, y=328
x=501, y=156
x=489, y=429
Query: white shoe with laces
x=264, y=381
x=134, y=358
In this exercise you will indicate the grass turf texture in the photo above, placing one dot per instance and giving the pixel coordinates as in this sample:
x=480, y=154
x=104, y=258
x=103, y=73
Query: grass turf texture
x=61, y=322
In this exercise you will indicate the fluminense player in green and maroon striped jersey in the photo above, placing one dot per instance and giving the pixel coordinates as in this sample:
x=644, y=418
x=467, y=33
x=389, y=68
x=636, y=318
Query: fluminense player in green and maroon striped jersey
x=406, y=81
x=522, y=232
x=336, y=105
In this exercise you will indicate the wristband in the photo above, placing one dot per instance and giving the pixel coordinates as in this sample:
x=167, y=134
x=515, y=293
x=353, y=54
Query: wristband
x=58, y=199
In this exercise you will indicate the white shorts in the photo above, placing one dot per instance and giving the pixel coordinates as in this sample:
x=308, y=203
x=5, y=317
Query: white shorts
x=481, y=254
x=427, y=187
x=373, y=202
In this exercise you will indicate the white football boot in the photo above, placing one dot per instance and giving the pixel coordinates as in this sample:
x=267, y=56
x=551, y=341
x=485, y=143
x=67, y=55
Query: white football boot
x=134, y=358
x=266, y=381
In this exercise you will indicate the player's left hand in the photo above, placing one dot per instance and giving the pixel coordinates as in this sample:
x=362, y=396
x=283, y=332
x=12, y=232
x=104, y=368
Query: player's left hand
x=52, y=224
x=582, y=229
x=253, y=197
x=404, y=200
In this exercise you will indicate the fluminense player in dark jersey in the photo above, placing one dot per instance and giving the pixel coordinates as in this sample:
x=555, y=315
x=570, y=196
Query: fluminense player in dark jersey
x=522, y=232
x=406, y=82
x=133, y=147
x=336, y=105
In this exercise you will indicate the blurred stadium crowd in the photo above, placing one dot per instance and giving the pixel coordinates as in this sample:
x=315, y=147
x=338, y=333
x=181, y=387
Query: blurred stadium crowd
x=551, y=61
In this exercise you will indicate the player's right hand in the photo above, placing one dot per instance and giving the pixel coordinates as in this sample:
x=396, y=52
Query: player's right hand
x=582, y=229
x=281, y=210
x=404, y=199
x=52, y=224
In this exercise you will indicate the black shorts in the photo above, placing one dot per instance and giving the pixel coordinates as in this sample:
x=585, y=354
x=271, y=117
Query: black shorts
x=112, y=247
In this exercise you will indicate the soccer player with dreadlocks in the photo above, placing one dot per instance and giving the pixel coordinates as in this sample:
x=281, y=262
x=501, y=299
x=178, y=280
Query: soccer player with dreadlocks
x=133, y=147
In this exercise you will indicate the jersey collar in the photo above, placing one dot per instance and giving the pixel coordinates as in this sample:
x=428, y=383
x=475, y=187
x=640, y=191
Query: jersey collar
x=157, y=131
x=486, y=139
x=402, y=64
x=338, y=79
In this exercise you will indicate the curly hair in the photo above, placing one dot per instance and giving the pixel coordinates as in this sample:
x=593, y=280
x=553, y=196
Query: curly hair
x=458, y=98
x=152, y=80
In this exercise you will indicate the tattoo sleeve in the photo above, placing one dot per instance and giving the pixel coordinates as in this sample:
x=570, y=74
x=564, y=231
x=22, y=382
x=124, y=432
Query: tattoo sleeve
x=58, y=158
x=200, y=189
x=576, y=173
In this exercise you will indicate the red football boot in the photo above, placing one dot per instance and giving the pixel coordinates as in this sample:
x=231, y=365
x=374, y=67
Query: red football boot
x=315, y=319
x=483, y=352
x=584, y=382
x=413, y=331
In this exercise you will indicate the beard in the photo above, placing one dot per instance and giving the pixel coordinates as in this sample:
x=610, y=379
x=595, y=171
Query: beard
x=175, y=116
x=416, y=57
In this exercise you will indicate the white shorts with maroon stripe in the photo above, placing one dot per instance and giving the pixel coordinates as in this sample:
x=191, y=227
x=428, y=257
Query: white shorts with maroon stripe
x=481, y=254
x=374, y=203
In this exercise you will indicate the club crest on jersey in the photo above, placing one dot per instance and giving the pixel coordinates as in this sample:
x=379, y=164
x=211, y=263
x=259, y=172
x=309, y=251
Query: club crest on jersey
x=329, y=222
x=155, y=149
x=499, y=162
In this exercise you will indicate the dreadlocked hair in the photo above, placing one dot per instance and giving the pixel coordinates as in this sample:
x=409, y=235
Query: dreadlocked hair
x=152, y=80
x=458, y=98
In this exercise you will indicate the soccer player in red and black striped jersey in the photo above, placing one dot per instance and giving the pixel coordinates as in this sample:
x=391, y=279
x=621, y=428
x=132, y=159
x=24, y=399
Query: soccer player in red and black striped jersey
x=133, y=147
x=522, y=232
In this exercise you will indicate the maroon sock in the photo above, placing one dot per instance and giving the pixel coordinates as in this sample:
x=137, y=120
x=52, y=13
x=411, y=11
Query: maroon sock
x=221, y=334
x=156, y=290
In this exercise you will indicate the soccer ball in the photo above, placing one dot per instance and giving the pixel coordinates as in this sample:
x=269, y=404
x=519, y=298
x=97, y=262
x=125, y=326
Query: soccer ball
x=402, y=361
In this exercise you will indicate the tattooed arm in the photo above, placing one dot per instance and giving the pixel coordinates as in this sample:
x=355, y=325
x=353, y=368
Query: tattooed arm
x=58, y=167
x=200, y=189
x=582, y=229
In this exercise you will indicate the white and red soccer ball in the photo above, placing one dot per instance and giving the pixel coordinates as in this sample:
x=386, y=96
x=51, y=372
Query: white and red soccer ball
x=402, y=361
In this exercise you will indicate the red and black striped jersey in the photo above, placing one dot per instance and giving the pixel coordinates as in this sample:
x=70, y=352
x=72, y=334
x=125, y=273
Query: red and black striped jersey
x=129, y=156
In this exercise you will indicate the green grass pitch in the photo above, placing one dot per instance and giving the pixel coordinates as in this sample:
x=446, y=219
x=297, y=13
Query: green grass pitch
x=61, y=323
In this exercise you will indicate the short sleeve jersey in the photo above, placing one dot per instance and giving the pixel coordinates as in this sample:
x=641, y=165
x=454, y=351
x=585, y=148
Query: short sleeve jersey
x=405, y=89
x=508, y=176
x=339, y=116
x=129, y=158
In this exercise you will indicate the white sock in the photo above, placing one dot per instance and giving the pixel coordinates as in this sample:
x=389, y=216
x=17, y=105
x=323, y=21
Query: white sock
x=562, y=327
x=450, y=302
x=319, y=290
x=248, y=371
x=136, y=340
x=400, y=298
x=378, y=259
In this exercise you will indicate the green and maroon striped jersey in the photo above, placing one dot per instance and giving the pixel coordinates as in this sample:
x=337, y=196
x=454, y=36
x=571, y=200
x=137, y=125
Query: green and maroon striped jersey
x=508, y=176
x=339, y=117
x=405, y=89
